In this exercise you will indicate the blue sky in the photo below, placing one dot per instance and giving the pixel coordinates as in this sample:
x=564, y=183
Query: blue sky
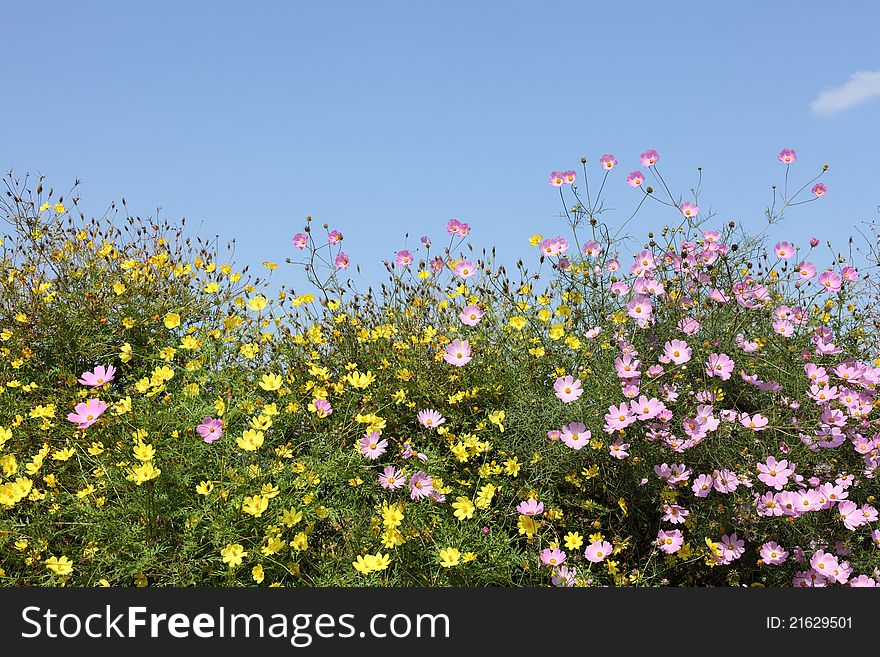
x=384, y=118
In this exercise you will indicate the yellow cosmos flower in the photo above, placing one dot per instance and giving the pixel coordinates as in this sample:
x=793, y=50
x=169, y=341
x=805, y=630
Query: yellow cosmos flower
x=62, y=566
x=271, y=382
x=255, y=505
x=233, y=554
x=250, y=440
x=258, y=303
x=449, y=557
x=464, y=508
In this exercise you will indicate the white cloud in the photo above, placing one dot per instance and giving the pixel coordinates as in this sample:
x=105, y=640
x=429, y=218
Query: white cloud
x=862, y=86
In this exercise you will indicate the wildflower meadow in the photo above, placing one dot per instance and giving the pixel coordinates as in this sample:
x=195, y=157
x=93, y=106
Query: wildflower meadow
x=692, y=406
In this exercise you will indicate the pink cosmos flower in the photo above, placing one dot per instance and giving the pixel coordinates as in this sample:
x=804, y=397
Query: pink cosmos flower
x=806, y=270
x=553, y=246
x=420, y=485
x=458, y=353
x=334, y=237
x=530, y=507
x=849, y=274
x=688, y=325
x=719, y=295
x=569, y=176
x=323, y=407
x=731, y=548
x=814, y=242
x=646, y=409
x=850, y=514
x=98, y=377
x=372, y=445
x=391, y=478
x=210, y=429
x=719, y=365
x=608, y=161
x=772, y=553
x=341, y=260
x=639, y=307
x=598, y=550
x=465, y=269
x=863, y=580
x=677, y=351
x=650, y=157
x=552, y=557
x=87, y=413
x=725, y=481
x=575, y=435
x=408, y=453
x=670, y=542
x=403, y=258
x=591, y=248
x=635, y=178
x=783, y=250
x=300, y=241
x=430, y=419
x=471, y=315
x=824, y=563
x=568, y=389
x=830, y=281
x=774, y=473
x=564, y=576
x=618, y=449
x=819, y=189
x=618, y=417
x=675, y=514
x=787, y=156
x=689, y=210
x=557, y=179
x=756, y=422
x=619, y=288
x=703, y=485
x=783, y=327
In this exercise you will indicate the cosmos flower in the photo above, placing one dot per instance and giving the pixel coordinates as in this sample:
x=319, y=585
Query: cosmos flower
x=689, y=210
x=635, y=179
x=403, y=258
x=598, y=551
x=458, y=353
x=530, y=507
x=568, y=389
x=787, y=156
x=421, y=485
x=465, y=269
x=98, y=377
x=471, y=315
x=608, y=161
x=650, y=157
x=87, y=413
x=210, y=429
x=575, y=435
x=372, y=445
x=391, y=478
x=430, y=419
